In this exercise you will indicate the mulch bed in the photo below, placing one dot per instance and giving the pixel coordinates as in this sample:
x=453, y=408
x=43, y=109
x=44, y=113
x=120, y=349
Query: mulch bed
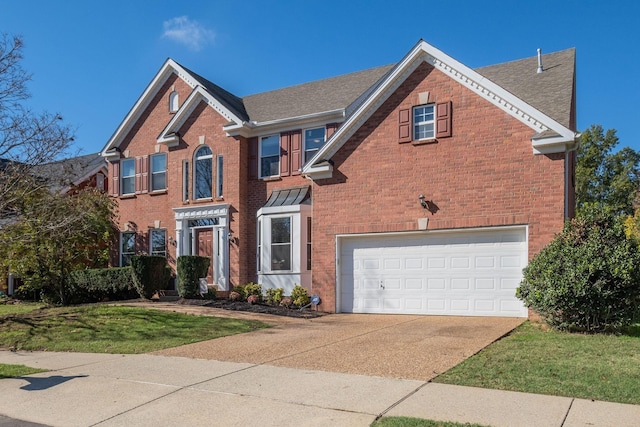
x=226, y=304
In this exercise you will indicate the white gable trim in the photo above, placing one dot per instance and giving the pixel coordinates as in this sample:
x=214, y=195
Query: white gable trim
x=509, y=103
x=169, y=133
x=168, y=68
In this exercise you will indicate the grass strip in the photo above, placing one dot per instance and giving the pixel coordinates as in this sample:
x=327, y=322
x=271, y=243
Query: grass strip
x=417, y=422
x=535, y=360
x=13, y=371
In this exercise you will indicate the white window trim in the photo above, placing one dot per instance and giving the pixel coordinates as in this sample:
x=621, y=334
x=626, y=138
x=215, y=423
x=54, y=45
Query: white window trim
x=132, y=177
x=219, y=176
x=260, y=174
x=315, y=150
x=290, y=243
x=174, y=102
x=157, y=230
x=414, y=124
x=164, y=171
x=194, y=172
x=185, y=180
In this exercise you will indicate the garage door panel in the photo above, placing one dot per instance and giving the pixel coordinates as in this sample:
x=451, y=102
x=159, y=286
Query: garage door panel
x=461, y=273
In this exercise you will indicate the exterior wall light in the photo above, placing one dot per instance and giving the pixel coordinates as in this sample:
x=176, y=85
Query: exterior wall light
x=423, y=202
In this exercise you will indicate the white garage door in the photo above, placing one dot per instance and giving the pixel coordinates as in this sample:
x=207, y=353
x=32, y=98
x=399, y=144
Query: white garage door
x=464, y=273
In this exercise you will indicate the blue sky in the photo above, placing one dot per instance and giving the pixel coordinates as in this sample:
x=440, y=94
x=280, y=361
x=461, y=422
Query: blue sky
x=91, y=60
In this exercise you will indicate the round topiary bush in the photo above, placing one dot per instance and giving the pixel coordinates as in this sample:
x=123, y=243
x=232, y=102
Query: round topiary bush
x=588, y=277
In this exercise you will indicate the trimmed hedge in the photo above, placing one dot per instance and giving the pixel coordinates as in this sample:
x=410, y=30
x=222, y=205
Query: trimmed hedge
x=95, y=285
x=190, y=269
x=150, y=274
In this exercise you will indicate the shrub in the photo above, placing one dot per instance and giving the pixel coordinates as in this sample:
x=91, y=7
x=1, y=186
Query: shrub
x=299, y=296
x=211, y=293
x=113, y=284
x=190, y=269
x=274, y=296
x=588, y=277
x=253, y=289
x=149, y=274
x=235, y=296
x=241, y=291
x=253, y=299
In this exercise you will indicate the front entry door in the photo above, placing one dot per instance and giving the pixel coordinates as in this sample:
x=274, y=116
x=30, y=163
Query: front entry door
x=204, y=247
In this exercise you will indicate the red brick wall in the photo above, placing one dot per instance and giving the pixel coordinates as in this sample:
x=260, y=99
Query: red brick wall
x=484, y=175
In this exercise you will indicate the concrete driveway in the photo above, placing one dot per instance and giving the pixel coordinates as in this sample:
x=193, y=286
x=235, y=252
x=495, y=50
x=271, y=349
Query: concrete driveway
x=396, y=346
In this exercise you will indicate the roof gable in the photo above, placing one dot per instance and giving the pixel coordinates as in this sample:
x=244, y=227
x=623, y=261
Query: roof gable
x=549, y=134
x=227, y=104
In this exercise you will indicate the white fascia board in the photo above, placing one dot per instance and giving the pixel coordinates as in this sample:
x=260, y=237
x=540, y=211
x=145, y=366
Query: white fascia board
x=321, y=171
x=554, y=144
x=168, y=68
x=167, y=136
x=514, y=106
x=283, y=125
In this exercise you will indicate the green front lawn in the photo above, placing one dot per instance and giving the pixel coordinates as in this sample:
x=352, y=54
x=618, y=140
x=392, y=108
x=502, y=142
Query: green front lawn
x=534, y=360
x=109, y=329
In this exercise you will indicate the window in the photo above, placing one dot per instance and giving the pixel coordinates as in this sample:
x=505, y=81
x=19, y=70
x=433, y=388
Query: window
x=158, y=172
x=173, y=102
x=269, y=156
x=281, y=244
x=158, y=240
x=313, y=140
x=128, y=176
x=219, y=176
x=185, y=181
x=259, y=255
x=203, y=173
x=423, y=122
x=100, y=181
x=127, y=248
x=309, y=243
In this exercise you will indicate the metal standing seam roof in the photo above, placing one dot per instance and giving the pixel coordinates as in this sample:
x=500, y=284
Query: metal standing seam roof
x=288, y=197
x=551, y=91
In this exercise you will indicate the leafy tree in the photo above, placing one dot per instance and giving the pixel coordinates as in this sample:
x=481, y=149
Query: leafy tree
x=55, y=234
x=604, y=176
x=588, y=277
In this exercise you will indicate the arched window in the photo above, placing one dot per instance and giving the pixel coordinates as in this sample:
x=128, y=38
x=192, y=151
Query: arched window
x=203, y=173
x=173, y=102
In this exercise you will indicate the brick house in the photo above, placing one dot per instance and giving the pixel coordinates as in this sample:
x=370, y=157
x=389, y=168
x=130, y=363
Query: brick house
x=419, y=187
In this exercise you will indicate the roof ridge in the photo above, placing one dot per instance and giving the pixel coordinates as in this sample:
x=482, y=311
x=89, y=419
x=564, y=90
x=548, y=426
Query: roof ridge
x=524, y=59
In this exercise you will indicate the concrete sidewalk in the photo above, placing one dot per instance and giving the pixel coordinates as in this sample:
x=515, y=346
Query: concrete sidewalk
x=149, y=390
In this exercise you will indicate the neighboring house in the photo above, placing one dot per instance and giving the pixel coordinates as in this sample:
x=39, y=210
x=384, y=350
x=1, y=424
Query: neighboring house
x=75, y=173
x=420, y=187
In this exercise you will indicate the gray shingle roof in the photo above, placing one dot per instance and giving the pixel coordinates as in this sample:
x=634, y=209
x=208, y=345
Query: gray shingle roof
x=62, y=173
x=229, y=100
x=319, y=96
x=550, y=91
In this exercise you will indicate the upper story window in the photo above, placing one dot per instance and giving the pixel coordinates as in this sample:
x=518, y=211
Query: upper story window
x=158, y=172
x=203, y=173
x=158, y=238
x=424, y=124
x=128, y=177
x=269, y=156
x=314, y=139
x=174, y=102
